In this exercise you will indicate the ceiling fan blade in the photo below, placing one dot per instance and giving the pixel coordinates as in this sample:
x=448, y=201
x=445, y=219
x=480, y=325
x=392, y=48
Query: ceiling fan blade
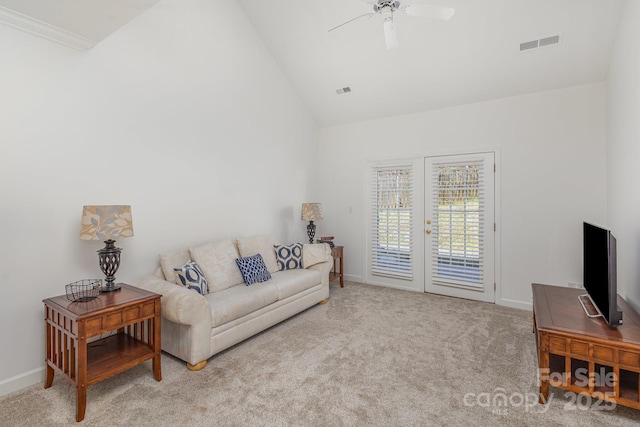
x=428, y=11
x=390, y=34
x=368, y=15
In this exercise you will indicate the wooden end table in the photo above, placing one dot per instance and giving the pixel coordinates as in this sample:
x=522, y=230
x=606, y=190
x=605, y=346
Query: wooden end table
x=336, y=253
x=134, y=315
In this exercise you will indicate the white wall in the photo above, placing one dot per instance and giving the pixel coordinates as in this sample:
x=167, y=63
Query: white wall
x=552, y=161
x=183, y=114
x=624, y=151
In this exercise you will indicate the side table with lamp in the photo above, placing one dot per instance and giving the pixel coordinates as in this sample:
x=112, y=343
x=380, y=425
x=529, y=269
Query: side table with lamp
x=313, y=212
x=130, y=317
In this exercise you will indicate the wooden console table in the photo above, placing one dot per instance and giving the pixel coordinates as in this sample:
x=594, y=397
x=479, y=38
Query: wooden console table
x=133, y=313
x=336, y=253
x=583, y=354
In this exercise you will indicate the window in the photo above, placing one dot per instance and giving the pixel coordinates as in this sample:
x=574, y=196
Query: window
x=392, y=222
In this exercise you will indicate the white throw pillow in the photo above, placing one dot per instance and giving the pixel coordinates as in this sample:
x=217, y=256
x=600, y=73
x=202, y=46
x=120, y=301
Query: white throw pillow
x=262, y=245
x=217, y=261
x=172, y=260
x=315, y=253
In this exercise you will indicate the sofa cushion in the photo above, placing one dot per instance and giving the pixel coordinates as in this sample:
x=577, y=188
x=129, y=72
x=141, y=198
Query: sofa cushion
x=172, y=260
x=253, y=269
x=291, y=282
x=240, y=300
x=289, y=256
x=262, y=245
x=217, y=260
x=315, y=253
x=190, y=276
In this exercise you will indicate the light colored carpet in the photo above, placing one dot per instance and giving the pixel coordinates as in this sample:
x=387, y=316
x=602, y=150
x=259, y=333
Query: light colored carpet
x=372, y=356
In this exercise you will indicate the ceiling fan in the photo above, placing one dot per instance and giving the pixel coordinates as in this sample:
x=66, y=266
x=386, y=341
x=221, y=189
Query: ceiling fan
x=386, y=8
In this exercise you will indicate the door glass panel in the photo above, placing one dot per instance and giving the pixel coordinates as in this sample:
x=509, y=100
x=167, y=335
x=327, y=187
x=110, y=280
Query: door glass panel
x=458, y=227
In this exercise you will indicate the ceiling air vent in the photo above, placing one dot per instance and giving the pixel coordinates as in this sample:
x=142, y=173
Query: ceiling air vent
x=528, y=45
x=535, y=44
x=549, y=41
x=343, y=90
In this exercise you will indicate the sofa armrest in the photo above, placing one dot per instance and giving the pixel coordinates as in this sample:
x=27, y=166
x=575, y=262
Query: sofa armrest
x=179, y=304
x=320, y=258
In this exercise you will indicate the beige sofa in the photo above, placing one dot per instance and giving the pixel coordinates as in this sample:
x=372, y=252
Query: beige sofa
x=195, y=326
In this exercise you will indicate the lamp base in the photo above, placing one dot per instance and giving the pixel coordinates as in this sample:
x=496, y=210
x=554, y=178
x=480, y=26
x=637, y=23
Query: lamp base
x=311, y=231
x=111, y=288
x=109, y=261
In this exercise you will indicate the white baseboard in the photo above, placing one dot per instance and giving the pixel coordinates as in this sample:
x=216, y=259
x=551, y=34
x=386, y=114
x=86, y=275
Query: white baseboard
x=21, y=381
x=352, y=278
x=515, y=304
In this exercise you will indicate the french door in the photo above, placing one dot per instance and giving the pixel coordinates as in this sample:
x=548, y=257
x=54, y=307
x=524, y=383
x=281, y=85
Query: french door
x=459, y=226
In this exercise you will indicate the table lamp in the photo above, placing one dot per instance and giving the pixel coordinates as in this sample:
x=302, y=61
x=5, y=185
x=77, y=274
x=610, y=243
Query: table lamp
x=107, y=222
x=311, y=212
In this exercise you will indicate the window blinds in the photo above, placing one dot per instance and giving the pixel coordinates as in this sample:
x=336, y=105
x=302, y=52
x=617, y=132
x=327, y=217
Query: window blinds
x=392, y=222
x=459, y=198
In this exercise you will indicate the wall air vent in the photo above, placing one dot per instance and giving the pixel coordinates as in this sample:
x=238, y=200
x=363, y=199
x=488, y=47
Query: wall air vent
x=343, y=90
x=535, y=44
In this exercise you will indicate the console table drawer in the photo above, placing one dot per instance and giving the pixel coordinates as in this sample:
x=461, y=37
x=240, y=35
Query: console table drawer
x=139, y=313
x=603, y=353
x=119, y=318
x=579, y=347
x=629, y=359
x=557, y=344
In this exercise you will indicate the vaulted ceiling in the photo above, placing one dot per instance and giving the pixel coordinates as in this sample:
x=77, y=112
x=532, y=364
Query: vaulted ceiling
x=473, y=57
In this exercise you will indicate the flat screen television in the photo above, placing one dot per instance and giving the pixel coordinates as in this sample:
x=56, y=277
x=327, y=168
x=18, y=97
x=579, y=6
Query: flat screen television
x=600, y=272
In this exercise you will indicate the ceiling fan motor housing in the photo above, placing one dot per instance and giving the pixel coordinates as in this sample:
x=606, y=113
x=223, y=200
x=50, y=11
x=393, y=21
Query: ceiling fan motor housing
x=382, y=4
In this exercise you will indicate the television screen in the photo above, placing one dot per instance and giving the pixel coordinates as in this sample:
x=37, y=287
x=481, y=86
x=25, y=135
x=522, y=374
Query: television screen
x=600, y=271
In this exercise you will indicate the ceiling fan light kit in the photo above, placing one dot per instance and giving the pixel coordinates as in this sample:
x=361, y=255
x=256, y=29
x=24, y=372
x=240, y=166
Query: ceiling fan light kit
x=381, y=5
x=388, y=7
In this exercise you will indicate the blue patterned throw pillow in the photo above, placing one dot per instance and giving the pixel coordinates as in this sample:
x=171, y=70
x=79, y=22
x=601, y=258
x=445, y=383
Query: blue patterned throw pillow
x=253, y=269
x=190, y=276
x=289, y=256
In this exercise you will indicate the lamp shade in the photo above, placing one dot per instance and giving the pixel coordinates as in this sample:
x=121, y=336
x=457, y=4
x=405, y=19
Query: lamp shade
x=311, y=211
x=106, y=222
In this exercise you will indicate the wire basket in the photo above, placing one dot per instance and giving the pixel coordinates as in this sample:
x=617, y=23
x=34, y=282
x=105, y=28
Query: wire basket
x=83, y=290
